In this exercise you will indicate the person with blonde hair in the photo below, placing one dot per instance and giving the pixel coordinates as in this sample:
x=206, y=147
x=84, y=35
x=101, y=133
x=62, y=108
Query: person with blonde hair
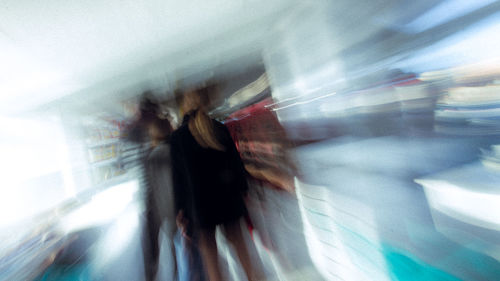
x=209, y=184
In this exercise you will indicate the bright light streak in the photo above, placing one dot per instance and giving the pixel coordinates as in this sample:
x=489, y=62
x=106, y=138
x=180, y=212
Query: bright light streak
x=305, y=102
x=478, y=43
x=104, y=207
x=30, y=149
x=445, y=12
x=117, y=239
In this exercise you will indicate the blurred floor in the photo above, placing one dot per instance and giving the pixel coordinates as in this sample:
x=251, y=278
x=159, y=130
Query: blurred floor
x=113, y=251
x=367, y=218
x=357, y=214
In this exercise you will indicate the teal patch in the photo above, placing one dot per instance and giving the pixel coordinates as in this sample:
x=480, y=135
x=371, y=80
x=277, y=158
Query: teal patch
x=79, y=272
x=405, y=268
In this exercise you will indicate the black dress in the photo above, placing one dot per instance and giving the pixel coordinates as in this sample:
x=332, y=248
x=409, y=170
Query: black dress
x=208, y=184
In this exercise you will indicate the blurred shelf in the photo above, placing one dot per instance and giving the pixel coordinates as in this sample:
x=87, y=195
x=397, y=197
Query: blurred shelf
x=104, y=162
x=104, y=143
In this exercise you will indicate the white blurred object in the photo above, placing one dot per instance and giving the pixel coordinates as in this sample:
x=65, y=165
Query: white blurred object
x=301, y=62
x=470, y=195
x=471, y=96
x=336, y=238
x=249, y=91
x=464, y=202
x=469, y=110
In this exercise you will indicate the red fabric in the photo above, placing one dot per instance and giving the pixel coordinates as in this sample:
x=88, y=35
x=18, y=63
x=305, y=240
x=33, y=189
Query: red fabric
x=258, y=135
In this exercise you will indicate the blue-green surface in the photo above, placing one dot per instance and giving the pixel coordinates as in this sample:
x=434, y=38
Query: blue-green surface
x=78, y=272
x=407, y=268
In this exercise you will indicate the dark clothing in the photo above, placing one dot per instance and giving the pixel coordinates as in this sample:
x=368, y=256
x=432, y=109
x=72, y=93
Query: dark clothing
x=208, y=184
x=150, y=245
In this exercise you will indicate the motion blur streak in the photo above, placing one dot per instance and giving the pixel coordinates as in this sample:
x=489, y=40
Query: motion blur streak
x=369, y=131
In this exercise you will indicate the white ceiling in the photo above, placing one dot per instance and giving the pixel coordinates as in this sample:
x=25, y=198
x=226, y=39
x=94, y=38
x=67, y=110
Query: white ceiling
x=55, y=48
x=52, y=48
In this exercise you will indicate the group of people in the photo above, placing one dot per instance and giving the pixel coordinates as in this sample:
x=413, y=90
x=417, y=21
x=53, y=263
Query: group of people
x=195, y=181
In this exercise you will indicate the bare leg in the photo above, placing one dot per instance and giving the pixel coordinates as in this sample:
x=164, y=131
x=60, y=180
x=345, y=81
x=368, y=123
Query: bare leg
x=208, y=249
x=235, y=236
x=174, y=260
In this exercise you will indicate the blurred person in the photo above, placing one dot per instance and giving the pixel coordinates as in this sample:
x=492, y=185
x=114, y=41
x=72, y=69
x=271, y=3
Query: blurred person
x=149, y=110
x=140, y=132
x=210, y=183
x=273, y=207
x=187, y=264
x=159, y=195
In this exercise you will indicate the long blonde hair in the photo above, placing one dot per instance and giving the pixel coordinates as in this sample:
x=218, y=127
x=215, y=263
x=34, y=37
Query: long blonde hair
x=200, y=124
x=202, y=128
